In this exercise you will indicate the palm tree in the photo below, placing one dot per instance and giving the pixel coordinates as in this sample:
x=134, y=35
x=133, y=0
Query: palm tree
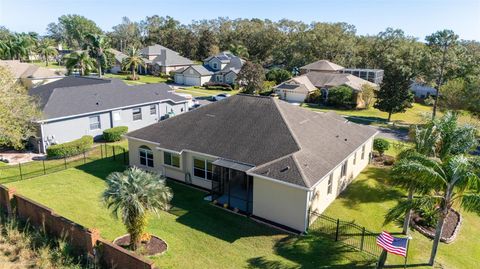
x=134, y=193
x=442, y=184
x=46, y=49
x=81, y=61
x=133, y=61
x=96, y=46
x=440, y=138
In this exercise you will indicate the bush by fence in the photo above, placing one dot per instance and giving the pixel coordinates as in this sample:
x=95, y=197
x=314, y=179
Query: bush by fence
x=85, y=242
x=114, y=134
x=74, y=147
x=10, y=173
x=347, y=232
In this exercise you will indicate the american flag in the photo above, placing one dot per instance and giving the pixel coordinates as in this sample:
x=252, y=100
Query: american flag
x=392, y=244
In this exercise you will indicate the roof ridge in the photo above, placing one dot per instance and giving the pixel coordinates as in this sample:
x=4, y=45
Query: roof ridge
x=300, y=170
x=294, y=136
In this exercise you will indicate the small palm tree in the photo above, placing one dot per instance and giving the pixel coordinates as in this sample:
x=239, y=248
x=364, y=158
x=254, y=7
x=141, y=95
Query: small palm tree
x=80, y=60
x=134, y=193
x=46, y=49
x=441, y=183
x=133, y=61
x=96, y=46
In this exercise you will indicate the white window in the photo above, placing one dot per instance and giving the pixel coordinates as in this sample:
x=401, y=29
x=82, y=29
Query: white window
x=153, y=110
x=171, y=159
x=202, y=168
x=116, y=116
x=363, y=152
x=137, y=114
x=146, y=156
x=343, y=172
x=94, y=122
x=330, y=182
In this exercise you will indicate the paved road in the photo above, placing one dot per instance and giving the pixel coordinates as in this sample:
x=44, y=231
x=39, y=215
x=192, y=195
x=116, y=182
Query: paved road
x=397, y=134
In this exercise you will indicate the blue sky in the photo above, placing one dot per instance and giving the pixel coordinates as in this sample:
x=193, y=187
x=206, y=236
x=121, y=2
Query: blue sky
x=417, y=18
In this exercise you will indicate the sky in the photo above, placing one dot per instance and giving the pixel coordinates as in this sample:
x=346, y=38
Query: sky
x=417, y=18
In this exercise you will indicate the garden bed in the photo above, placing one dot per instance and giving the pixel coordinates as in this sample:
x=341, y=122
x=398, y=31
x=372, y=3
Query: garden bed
x=153, y=246
x=450, y=227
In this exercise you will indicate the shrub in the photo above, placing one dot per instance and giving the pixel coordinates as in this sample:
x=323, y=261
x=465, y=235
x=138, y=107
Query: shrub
x=429, y=101
x=381, y=145
x=217, y=86
x=314, y=97
x=131, y=77
x=340, y=96
x=115, y=133
x=74, y=147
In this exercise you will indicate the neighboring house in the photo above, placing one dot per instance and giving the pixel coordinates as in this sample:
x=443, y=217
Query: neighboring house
x=372, y=75
x=77, y=106
x=31, y=75
x=422, y=91
x=322, y=75
x=163, y=59
x=117, y=67
x=222, y=68
x=259, y=155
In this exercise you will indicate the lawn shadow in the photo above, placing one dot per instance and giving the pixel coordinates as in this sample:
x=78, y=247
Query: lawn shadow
x=193, y=211
x=365, y=119
x=360, y=191
x=314, y=251
x=101, y=168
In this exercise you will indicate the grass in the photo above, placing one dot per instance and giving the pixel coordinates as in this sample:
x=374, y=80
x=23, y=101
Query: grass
x=143, y=79
x=417, y=114
x=198, y=234
x=202, y=92
x=51, y=65
x=369, y=197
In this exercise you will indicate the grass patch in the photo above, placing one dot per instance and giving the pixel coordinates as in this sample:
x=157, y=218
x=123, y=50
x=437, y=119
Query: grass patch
x=202, y=92
x=51, y=65
x=143, y=79
x=199, y=235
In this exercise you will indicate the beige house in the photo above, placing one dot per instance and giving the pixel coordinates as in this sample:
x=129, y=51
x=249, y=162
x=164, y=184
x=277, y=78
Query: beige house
x=31, y=75
x=164, y=59
x=258, y=155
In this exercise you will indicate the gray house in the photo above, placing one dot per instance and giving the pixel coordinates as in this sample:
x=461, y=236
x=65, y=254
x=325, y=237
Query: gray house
x=222, y=68
x=258, y=155
x=77, y=106
x=164, y=59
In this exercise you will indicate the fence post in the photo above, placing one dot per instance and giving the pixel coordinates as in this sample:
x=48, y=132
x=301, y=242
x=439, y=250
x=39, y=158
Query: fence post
x=20, y=168
x=363, y=239
x=113, y=151
x=336, y=233
x=44, y=170
x=65, y=161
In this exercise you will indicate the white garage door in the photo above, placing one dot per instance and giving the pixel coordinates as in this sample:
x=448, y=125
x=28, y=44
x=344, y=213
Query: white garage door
x=179, y=79
x=192, y=81
x=295, y=97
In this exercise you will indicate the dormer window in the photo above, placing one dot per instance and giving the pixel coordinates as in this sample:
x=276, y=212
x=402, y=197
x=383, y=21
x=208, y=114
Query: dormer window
x=215, y=65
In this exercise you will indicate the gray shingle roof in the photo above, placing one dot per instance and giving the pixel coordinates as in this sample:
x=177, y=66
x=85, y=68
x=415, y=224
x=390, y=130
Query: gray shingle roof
x=321, y=80
x=199, y=68
x=323, y=65
x=79, y=95
x=171, y=58
x=284, y=142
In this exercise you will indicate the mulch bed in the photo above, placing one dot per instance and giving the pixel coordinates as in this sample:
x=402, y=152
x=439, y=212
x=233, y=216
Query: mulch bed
x=451, y=226
x=153, y=247
x=385, y=160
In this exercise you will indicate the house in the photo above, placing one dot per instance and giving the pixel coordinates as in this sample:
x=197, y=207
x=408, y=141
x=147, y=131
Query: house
x=421, y=90
x=258, y=155
x=321, y=75
x=221, y=68
x=164, y=60
x=117, y=66
x=77, y=106
x=324, y=66
x=31, y=75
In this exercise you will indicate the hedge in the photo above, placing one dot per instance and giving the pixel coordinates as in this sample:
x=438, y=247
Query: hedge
x=74, y=147
x=217, y=86
x=115, y=133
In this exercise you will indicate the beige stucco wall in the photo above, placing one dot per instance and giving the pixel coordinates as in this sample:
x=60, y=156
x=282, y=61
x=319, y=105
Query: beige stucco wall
x=280, y=203
x=320, y=199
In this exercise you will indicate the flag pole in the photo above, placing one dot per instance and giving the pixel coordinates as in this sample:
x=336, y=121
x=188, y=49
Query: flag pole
x=382, y=259
x=406, y=251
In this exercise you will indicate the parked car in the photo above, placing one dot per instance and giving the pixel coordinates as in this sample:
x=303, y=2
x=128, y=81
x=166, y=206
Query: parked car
x=197, y=105
x=220, y=96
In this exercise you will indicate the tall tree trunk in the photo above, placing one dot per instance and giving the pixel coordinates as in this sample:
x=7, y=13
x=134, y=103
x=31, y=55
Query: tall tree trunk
x=389, y=116
x=99, y=67
x=439, y=81
x=408, y=214
x=46, y=60
x=434, y=113
x=438, y=234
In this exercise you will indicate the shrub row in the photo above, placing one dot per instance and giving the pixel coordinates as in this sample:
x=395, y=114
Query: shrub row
x=217, y=86
x=115, y=133
x=74, y=147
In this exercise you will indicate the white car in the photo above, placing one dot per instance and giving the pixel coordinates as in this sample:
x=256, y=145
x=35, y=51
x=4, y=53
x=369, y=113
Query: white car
x=220, y=96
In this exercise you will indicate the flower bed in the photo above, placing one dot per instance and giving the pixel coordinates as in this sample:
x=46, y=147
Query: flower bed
x=451, y=227
x=153, y=246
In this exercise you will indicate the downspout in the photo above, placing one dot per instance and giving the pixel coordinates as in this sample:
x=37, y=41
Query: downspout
x=44, y=150
x=307, y=211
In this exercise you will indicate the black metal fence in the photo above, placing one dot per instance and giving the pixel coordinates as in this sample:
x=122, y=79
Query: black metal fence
x=346, y=232
x=11, y=173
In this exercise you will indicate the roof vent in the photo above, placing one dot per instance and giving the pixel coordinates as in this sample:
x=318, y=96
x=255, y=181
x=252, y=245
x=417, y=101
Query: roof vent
x=96, y=103
x=210, y=115
x=346, y=139
x=285, y=169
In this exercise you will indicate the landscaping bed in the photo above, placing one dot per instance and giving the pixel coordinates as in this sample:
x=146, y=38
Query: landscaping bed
x=450, y=230
x=153, y=246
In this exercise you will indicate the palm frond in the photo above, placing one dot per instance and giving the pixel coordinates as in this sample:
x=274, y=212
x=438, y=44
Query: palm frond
x=471, y=202
x=403, y=206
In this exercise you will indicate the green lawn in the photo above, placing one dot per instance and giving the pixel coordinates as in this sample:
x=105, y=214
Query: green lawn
x=417, y=114
x=369, y=197
x=143, y=79
x=51, y=65
x=198, y=234
x=202, y=92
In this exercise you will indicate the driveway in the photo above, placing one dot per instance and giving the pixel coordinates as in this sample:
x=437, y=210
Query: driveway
x=391, y=133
